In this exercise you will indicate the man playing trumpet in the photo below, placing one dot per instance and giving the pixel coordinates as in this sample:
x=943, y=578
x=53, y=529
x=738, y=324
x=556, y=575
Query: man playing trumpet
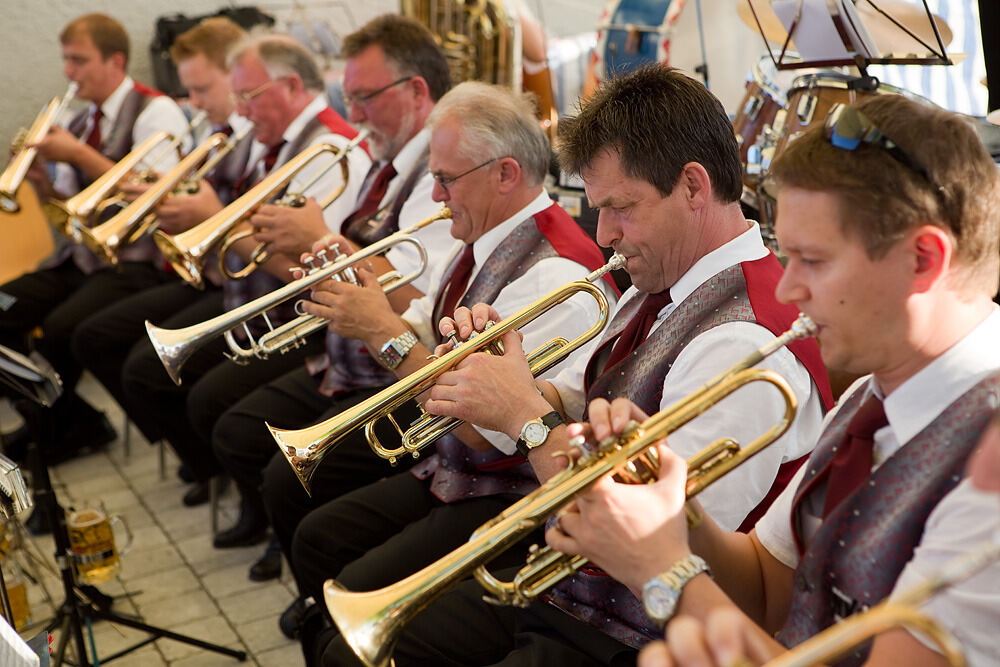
x=658, y=157
x=74, y=284
x=887, y=215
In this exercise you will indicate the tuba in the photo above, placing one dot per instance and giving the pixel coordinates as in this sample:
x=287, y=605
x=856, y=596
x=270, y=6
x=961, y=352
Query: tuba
x=175, y=346
x=13, y=175
x=305, y=448
x=370, y=622
x=837, y=640
x=188, y=251
x=136, y=219
x=76, y=212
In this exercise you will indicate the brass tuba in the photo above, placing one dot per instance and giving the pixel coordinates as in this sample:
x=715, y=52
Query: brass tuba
x=175, y=346
x=899, y=612
x=188, y=251
x=479, y=38
x=370, y=622
x=305, y=448
x=137, y=218
x=13, y=175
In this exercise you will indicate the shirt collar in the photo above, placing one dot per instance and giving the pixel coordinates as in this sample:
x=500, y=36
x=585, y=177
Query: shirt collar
x=747, y=246
x=411, y=152
x=484, y=246
x=113, y=104
x=921, y=398
x=295, y=128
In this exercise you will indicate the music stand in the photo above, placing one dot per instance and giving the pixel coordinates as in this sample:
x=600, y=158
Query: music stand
x=79, y=604
x=851, y=33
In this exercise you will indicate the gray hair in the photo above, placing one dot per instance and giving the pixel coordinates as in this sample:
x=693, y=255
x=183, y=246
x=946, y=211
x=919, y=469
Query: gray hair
x=496, y=123
x=282, y=56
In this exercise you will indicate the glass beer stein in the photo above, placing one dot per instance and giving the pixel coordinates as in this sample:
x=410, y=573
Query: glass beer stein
x=92, y=539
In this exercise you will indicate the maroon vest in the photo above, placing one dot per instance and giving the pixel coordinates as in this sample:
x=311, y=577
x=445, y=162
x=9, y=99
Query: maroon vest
x=741, y=293
x=881, y=521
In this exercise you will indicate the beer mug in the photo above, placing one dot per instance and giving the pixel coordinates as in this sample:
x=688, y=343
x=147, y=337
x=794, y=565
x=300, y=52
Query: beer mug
x=17, y=594
x=92, y=540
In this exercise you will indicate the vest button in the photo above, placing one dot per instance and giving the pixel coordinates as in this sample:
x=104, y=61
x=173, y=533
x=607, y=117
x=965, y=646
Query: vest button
x=802, y=583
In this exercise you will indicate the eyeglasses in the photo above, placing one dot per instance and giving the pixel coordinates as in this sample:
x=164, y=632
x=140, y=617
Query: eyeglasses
x=246, y=98
x=445, y=181
x=848, y=128
x=357, y=100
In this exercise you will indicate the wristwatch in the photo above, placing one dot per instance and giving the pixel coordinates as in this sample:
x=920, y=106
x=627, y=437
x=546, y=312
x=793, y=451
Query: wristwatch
x=536, y=431
x=392, y=353
x=661, y=593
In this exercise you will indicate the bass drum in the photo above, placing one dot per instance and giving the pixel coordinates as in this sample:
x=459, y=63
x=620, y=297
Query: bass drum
x=809, y=100
x=758, y=117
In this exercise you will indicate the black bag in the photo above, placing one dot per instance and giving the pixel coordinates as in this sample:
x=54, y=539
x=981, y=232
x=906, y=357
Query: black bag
x=169, y=27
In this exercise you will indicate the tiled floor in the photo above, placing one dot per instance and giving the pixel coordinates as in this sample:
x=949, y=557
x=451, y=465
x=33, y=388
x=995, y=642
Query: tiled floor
x=172, y=576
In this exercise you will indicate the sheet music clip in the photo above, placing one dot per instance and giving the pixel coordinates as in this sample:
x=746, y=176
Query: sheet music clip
x=830, y=33
x=32, y=377
x=14, y=497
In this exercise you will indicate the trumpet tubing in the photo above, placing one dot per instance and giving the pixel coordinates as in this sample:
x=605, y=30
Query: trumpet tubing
x=105, y=240
x=175, y=346
x=305, y=448
x=73, y=214
x=13, y=175
x=188, y=251
x=370, y=622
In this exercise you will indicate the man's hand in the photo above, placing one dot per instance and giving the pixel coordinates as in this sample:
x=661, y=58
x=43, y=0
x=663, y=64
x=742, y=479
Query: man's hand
x=361, y=312
x=632, y=531
x=178, y=213
x=130, y=190
x=287, y=229
x=726, y=639
x=477, y=387
x=60, y=145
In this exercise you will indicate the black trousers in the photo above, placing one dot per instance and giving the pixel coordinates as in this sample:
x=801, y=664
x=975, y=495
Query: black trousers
x=246, y=449
x=60, y=298
x=185, y=415
x=460, y=630
x=101, y=342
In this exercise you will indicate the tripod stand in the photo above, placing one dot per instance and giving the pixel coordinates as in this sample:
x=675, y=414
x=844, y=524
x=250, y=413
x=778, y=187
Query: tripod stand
x=79, y=607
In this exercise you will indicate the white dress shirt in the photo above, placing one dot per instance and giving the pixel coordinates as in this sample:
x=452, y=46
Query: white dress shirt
x=569, y=319
x=745, y=414
x=161, y=113
x=963, y=519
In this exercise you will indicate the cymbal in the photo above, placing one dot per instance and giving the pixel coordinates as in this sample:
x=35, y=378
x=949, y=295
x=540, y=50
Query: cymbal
x=887, y=36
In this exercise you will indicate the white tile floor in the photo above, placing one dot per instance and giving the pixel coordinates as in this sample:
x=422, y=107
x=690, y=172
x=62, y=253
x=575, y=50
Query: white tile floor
x=172, y=576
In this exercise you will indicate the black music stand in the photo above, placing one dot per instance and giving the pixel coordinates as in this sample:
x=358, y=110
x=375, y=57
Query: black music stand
x=847, y=26
x=81, y=602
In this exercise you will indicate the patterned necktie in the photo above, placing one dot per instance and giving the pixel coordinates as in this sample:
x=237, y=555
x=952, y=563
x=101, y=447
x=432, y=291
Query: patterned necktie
x=369, y=205
x=630, y=337
x=94, y=138
x=852, y=463
x=458, y=280
x=271, y=157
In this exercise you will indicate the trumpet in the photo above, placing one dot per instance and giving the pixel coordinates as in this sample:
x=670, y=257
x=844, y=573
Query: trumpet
x=187, y=251
x=370, y=622
x=175, y=346
x=13, y=175
x=73, y=214
x=837, y=640
x=305, y=448
x=136, y=219
x=148, y=175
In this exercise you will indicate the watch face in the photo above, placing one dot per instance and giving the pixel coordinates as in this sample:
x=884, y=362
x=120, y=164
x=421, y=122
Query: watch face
x=534, y=433
x=660, y=601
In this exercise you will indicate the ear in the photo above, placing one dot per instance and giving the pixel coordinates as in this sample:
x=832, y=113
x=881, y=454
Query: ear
x=419, y=87
x=510, y=175
x=697, y=185
x=932, y=250
x=295, y=85
x=118, y=58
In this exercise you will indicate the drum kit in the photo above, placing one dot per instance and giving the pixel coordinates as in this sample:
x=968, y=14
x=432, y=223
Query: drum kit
x=785, y=96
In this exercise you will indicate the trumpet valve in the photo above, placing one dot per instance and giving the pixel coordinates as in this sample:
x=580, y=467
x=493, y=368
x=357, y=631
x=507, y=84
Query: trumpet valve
x=293, y=200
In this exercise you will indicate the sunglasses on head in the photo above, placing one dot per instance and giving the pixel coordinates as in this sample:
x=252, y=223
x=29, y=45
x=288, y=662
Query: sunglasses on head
x=847, y=128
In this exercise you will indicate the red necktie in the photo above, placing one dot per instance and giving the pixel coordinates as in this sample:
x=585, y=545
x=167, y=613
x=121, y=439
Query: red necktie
x=630, y=337
x=271, y=157
x=94, y=138
x=852, y=463
x=458, y=280
x=369, y=205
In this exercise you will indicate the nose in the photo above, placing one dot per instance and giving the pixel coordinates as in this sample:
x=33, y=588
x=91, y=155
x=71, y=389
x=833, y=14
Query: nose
x=790, y=288
x=608, y=230
x=439, y=193
x=355, y=113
